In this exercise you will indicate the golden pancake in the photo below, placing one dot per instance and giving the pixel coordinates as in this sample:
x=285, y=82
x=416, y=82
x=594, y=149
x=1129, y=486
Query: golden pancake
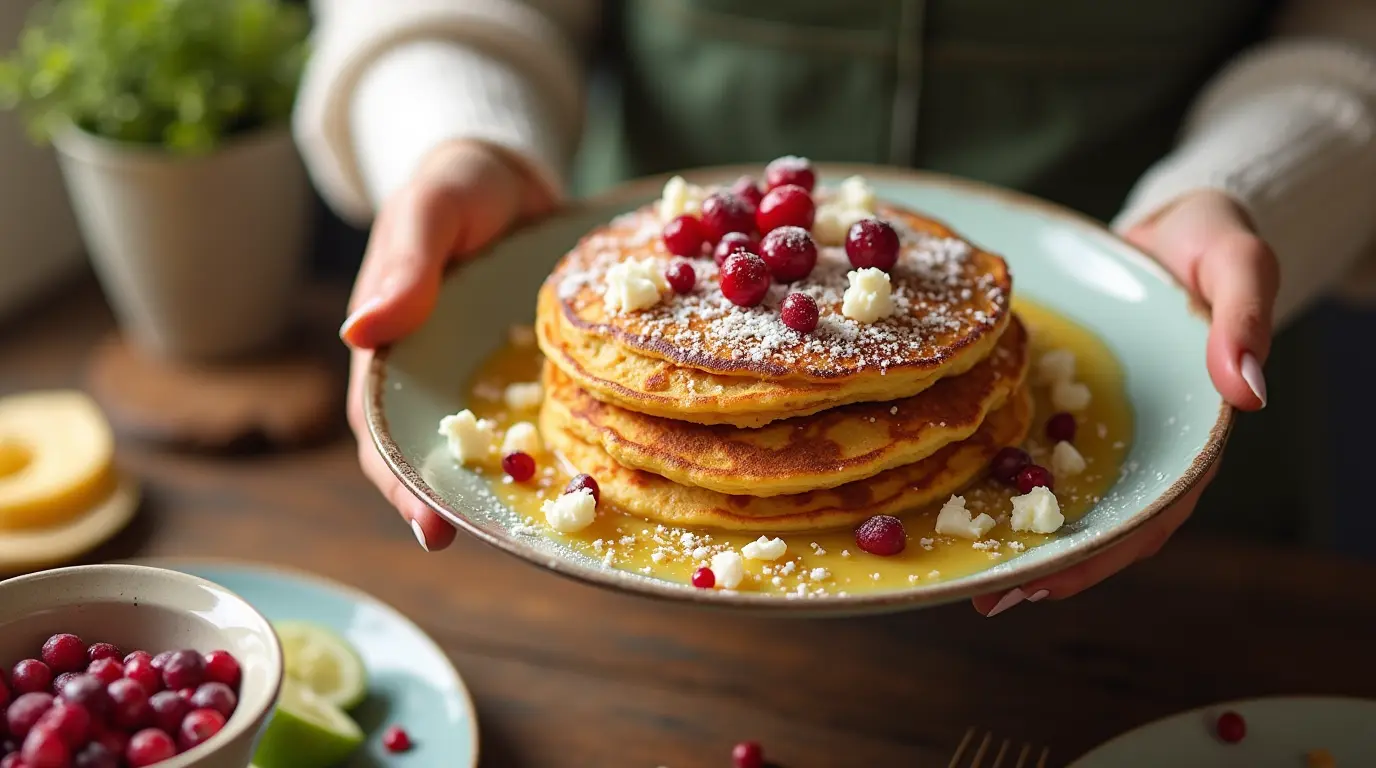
x=808, y=453
x=647, y=495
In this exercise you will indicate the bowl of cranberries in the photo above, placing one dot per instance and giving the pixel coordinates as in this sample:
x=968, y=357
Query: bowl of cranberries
x=124, y=666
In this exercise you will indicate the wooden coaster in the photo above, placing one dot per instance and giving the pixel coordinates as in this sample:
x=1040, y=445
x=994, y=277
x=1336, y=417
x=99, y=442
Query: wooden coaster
x=46, y=547
x=284, y=400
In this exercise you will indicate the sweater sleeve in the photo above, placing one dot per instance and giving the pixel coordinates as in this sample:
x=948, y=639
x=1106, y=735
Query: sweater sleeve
x=390, y=81
x=1288, y=131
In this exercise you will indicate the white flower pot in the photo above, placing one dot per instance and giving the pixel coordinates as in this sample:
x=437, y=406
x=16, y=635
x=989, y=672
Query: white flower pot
x=199, y=257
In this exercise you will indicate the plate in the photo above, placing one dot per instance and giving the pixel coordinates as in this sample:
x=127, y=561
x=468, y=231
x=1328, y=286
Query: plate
x=1280, y=733
x=1059, y=258
x=31, y=550
x=411, y=682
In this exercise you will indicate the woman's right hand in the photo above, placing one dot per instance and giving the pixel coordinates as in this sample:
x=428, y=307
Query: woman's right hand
x=463, y=196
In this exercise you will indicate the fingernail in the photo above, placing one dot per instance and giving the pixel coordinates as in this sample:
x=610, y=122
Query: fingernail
x=1010, y=598
x=364, y=309
x=1040, y=594
x=1251, y=373
x=420, y=535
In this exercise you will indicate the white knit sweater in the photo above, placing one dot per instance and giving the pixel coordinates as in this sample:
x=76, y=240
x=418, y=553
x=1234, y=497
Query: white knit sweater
x=1288, y=129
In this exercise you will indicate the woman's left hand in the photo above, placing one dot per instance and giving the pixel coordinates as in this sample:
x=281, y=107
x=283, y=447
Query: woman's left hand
x=1206, y=240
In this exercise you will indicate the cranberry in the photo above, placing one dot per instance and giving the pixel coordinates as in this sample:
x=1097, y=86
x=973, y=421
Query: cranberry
x=187, y=693
x=198, y=726
x=99, y=651
x=729, y=244
x=26, y=711
x=149, y=746
x=216, y=696
x=1007, y=463
x=45, y=748
x=71, y=721
x=396, y=739
x=684, y=236
x=881, y=535
x=1231, y=727
x=518, y=465
x=87, y=692
x=872, y=243
x=4, y=695
x=747, y=754
x=748, y=190
x=580, y=482
x=789, y=205
x=160, y=660
x=799, y=312
x=744, y=279
x=681, y=277
x=222, y=667
x=129, y=704
x=31, y=676
x=143, y=655
x=789, y=252
x=168, y=710
x=704, y=578
x=790, y=170
x=95, y=755
x=12, y=760
x=108, y=670
x=143, y=673
x=1061, y=426
x=64, y=653
x=724, y=212
x=111, y=738
x=1033, y=476
x=61, y=680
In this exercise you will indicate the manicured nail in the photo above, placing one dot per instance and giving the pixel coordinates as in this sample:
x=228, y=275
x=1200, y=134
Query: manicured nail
x=420, y=535
x=1040, y=594
x=1010, y=598
x=1251, y=373
x=364, y=309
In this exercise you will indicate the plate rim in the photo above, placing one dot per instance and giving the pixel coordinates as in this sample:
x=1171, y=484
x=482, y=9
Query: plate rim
x=375, y=417
x=171, y=562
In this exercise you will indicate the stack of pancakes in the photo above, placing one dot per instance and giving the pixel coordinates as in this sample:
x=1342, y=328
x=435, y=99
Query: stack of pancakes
x=696, y=412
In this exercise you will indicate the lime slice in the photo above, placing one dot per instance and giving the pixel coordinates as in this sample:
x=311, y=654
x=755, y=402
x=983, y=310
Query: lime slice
x=323, y=661
x=306, y=731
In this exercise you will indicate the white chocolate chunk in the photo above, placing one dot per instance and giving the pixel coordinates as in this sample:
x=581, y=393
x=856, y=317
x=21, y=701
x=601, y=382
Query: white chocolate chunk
x=680, y=197
x=1056, y=366
x=729, y=569
x=1037, y=511
x=833, y=221
x=856, y=194
x=1066, y=461
x=570, y=512
x=765, y=548
x=955, y=520
x=470, y=440
x=869, y=297
x=634, y=285
x=524, y=437
x=524, y=396
x=1069, y=396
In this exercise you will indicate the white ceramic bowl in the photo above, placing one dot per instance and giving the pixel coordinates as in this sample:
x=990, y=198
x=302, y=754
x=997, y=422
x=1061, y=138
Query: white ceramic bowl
x=153, y=609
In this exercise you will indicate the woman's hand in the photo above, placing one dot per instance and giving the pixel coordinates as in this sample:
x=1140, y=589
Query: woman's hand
x=1206, y=240
x=463, y=196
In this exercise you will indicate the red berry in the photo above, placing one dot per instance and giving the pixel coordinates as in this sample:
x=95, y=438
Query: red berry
x=11, y=760
x=31, y=676
x=684, y=236
x=786, y=206
x=789, y=252
x=108, y=670
x=96, y=755
x=143, y=655
x=149, y=746
x=45, y=748
x=799, y=312
x=71, y=721
x=61, y=680
x=169, y=708
x=729, y=244
x=724, y=212
x=747, y=754
x=704, y=578
x=183, y=669
x=64, y=653
x=1033, y=476
x=518, y=465
x=216, y=696
x=222, y=667
x=1231, y=727
x=111, y=738
x=744, y=279
x=187, y=693
x=143, y=673
x=681, y=276
x=790, y=170
x=4, y=697
x=161, y=660
x=881, y=535
x=129, y=704
x=396, y=739
x=1007, y=463
x=580, y=482
x=26, y=711
x=87, y=692
x=748, y=190
x=872, y=243
x=103, y=651
x=1061, y=426
x=199, y=726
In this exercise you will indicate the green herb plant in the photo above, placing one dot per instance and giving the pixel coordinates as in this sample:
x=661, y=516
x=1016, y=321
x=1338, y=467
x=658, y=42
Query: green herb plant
x=181, y=74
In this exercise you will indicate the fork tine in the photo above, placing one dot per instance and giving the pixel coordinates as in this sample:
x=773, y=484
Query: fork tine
x=998, y=758
x=960, y=750
x=1022, y=756
x=983, y=747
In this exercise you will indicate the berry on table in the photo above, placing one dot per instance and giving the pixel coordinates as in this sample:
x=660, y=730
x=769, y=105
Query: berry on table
x=789, y=252
x=730, y=243
x=704, y=578
x=681, y=277
x=747, y=754
x=747, y=189
x=30, y=676
x=872, y=243
x=1231, y=727
x=518, y=465
x=222, y=667
x=64, y=653
x=199, y=726
x=723, y=213
x=396, y=739
x=799, y=312
x=1035, y=476
x=790, y=170
x=684, y=236
x=744, y=279
x=149, y=746
x=787, y=206
x=1007, y=463
x=1061, y=426
x=582, y=481
x=881, y=535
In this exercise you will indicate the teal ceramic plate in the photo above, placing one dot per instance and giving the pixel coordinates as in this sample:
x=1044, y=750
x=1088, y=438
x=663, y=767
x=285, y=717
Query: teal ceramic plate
x=411, y=681
x=1281, y=733
x=1058, y=258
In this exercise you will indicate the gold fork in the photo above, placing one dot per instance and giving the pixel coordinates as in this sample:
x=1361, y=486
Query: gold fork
x=1005, y=749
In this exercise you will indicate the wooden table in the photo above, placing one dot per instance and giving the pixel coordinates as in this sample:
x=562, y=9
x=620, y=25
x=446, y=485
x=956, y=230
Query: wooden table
x=568, y=675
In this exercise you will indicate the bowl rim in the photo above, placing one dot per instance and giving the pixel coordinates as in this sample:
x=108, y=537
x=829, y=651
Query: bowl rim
x=236, y=727
x=980, y=583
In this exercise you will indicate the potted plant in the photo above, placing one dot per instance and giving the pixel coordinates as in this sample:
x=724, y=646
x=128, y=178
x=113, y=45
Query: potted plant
x=171, y=124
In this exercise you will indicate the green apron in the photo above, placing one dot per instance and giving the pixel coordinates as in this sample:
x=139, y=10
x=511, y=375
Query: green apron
x=1070, y=100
